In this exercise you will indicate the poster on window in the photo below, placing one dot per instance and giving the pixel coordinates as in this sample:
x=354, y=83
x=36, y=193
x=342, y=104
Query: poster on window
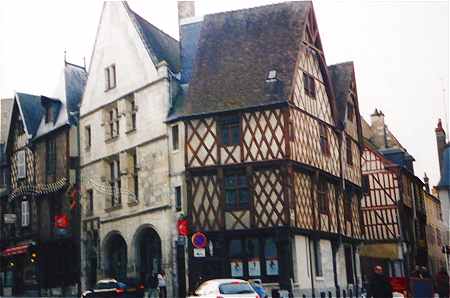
x=272, y=266
x=237, y=268
x=254, y=267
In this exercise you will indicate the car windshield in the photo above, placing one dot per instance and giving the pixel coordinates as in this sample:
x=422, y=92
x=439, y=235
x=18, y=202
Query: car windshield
x=105, y=285
x=235, y=288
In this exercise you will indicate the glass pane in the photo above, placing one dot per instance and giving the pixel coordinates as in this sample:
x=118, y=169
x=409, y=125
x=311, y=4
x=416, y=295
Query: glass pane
x=235, y=288
x=244, y=198
x=230, y=198
x=235, y=135
x=242, y=181
x=230, y=181
x=270, y=248
x=235, y=248
x=252, y=246
x=225, y=135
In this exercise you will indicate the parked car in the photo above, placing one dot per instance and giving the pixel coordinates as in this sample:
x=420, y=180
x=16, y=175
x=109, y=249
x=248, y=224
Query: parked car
x=256, y=284
x=105, y=288
x=225, y=288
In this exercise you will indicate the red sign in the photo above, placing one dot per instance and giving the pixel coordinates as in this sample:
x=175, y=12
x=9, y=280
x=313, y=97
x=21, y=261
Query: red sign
x=183, y=227
x=199, y=240
x=399, y=284
x=61, y=221
x=16, y=250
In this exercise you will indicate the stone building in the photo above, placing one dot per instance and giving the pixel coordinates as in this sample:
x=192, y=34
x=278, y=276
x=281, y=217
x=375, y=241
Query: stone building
x=128, y=195
x=271, y=149
x=40, y=238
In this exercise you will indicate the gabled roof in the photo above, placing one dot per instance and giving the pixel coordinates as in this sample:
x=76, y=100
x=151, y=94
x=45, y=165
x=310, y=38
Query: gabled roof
x=160, y=46
x=75, y=81
x=444, y=182
x=189, y=36
x=236, y=51
x=31, y=111
x=341, y=76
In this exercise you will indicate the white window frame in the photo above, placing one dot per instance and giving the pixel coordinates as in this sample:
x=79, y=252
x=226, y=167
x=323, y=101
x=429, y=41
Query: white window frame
x=21, y=164
x=25, y=213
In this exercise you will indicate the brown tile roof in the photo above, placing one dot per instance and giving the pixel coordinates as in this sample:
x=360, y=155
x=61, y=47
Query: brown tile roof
x=237, y=50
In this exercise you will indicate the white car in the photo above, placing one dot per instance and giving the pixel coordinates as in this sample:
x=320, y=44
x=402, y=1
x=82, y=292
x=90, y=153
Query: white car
x=225, y=288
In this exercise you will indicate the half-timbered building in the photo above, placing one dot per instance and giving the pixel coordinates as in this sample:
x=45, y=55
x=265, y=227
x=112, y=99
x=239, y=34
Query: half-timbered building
x=40, y=230
x=393, y=209
x=271, y=150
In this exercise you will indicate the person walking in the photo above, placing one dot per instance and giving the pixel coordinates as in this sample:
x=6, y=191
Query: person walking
x=162, y=285
x=152, y=282
x=379, y=286
x=442, y=284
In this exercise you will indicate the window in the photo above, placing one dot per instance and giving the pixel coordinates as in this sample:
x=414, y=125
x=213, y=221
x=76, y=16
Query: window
x=365, y=184
x=117, y=121
x=115, y=183
x=48, y=113
x=135, y=175
x=348, y=207
x=350, y=111
x=89, y=202
x=87, y=137
x=230, y=131
x=237, y=195
x=131, y=112
x=178, y=198
x=111, y=123
x=322, y=196
x=25, y=213
x=21, y=164
x=348, y=148
x=175, y=141
x=110, y=77
x=309, y=85
x=317, y=258
x=51, y=157
x=324, y=145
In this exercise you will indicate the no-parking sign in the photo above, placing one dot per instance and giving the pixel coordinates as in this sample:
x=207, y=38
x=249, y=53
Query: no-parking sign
x=199, y=240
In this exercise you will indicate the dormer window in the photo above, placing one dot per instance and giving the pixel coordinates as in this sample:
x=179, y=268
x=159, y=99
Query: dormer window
x=110, y=77
x=48, y=114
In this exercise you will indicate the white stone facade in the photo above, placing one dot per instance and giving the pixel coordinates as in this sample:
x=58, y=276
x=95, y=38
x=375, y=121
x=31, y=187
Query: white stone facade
x=138, y=79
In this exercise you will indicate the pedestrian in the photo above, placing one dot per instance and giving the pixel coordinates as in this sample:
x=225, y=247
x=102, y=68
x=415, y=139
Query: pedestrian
x=442, y=284
x=379, y=286
x=152, y=282
x=425, y=273
x=162, y=284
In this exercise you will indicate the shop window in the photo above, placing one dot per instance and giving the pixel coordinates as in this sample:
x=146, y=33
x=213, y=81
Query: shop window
x=253, y=259
x=317, y=258
x=237, y=195
x=236, y=254
x=230, y=131
x=271, y=257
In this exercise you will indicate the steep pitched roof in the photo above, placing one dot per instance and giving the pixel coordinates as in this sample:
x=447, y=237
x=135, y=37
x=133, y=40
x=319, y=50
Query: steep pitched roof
x=444, y=182
x=159, y=45
x=31, y=111
x=75, y=81
x=189, y=36
x=237, y=49
x=341, y=76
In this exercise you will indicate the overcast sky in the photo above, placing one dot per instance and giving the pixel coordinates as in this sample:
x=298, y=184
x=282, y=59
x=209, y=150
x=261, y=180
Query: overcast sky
x=400, y=50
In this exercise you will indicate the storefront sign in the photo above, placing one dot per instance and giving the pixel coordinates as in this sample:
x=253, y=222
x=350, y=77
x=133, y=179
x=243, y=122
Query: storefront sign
x=199, y=252
x=183, y=227
x=9, y=218
x=10, y=251
x=237, y=268
x=254, y=267
x=272, y=266
x=62, y=221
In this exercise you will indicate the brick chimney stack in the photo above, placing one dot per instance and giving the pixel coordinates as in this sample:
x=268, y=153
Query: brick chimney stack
x=440, y=141
x=186, y=9
x=379, y=129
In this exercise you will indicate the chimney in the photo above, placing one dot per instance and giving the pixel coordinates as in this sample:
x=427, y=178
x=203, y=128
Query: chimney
x=440, y=141
x=186, y=9
x=379, y=137
x=426, y=180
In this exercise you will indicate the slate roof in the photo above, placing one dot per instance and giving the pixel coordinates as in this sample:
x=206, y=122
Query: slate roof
x=445, y=175
x=75, y=81
x=159, y=45
x=189, y=36
x=31, y=111
x=237, y=49
x=341, y=76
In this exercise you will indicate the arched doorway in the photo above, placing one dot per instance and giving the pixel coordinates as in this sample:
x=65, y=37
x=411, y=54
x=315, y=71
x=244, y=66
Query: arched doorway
x=116, y=257
x=148, y=251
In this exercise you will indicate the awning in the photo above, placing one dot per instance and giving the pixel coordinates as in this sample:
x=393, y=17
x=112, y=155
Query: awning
x=15, y=250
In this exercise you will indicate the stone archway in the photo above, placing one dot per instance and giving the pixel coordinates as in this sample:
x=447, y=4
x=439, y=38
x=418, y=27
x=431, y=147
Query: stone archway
x=115, y=252
x=147, y=245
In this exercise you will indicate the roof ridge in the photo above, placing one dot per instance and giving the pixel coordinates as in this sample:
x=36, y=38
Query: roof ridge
x=75, y=65
x=256, y=7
